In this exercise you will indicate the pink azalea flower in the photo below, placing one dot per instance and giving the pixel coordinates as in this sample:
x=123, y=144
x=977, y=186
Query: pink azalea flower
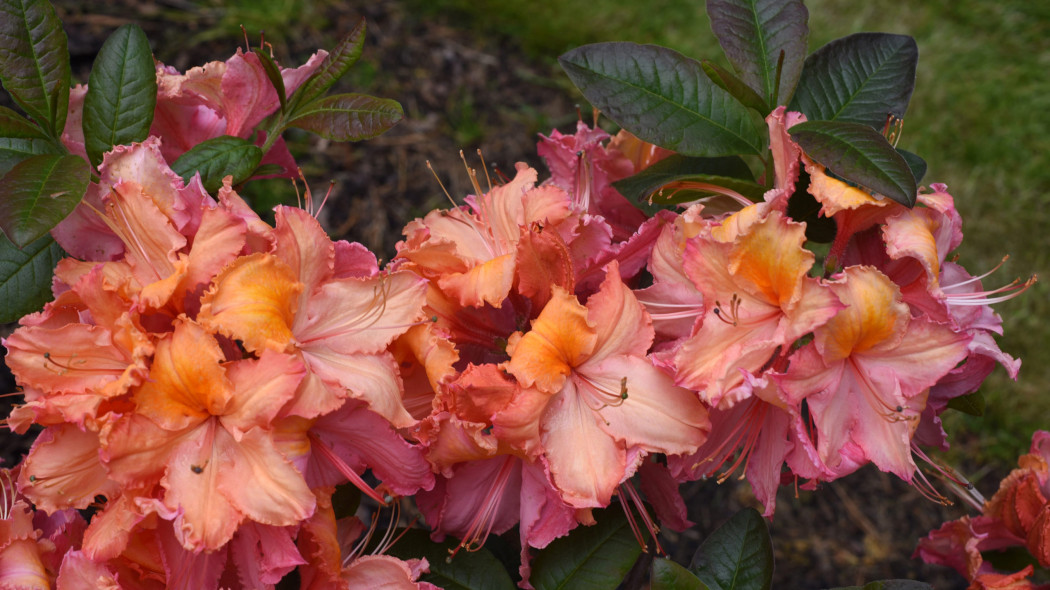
x=587, y=382
x=758, y=301
x=867, y=373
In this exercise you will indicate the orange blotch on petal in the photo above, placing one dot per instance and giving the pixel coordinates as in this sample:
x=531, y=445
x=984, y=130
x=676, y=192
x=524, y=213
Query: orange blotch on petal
x=561, y=338
x=254, y=300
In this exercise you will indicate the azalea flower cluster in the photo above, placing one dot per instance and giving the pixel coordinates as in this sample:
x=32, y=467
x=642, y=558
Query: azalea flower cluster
x=1017, y=517
x=205, y=379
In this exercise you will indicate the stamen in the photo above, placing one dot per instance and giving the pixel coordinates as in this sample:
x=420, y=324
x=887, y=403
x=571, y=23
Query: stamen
x=1012, y=289
x=7, y=494
x=584, y=181
x=485, y=168
x=733, y=317
x=471, y=174
x=701, y=186
x=442, y=185
x=607, y=396
x=336, y=461
x=628, y=497
x=480, y=528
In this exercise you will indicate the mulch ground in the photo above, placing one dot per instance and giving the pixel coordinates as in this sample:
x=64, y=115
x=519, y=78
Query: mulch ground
x=464, y=91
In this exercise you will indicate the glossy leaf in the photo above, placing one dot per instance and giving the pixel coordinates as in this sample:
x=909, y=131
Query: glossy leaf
x=38, y=193
x=34, y=61
x=25, y=276
x=273, y=73
x=915, y=162
x=736, y=87
x=16, y=126
x=861, y=78
x=468, y=570
x=754, y=33
x=122, y=93
x=971, y=403
x=729, y=172
x=668, y=575
x=349, y=117
x=590, y=557
x=218, y=157
x=860, y=155
x=662, y=97
x=336, y=63
x=737, y=556
x=15, y=149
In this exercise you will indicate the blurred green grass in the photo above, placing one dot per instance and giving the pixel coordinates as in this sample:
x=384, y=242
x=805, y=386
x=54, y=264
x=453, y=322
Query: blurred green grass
x=980, y=116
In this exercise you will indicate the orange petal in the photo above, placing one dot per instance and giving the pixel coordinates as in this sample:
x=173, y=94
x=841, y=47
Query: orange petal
x=560, y=339
x=186, y=382
x=874, y=314
x=254, y=300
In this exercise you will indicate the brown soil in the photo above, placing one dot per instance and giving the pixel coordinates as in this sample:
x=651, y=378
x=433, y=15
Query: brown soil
x=462, y=90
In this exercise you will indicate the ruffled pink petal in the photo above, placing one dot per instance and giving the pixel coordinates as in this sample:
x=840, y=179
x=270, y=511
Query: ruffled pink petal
x=370, y=378
x=63, y=470
x=381, y=572
x=353, y=316
x=656, y=415
x=363, y=439
x=585, y=480
x=80, y=572
x=263, y=555
x=260, y=388
x=304, y=246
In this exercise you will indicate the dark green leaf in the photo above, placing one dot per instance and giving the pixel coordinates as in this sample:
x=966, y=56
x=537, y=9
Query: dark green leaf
x=729, y=172
x=662, y=97
x=736, y=87
x=590, y=557
x=217, y=158
x=889, y=585
x=122, y=93
x=861, y=78
x=468, y=570
x=737, y=556
x=34, y=61
x=38, y=192
x=349, y=117
x=754, y=34
x=1012, y=559
x=668, y=575
x=16, y=126
x=335, y=64
x=14, y=150
x=25, y=276
x=860, y=155
x=273, y=73
x=971, y=403
x=803, y=206
x=915, y=162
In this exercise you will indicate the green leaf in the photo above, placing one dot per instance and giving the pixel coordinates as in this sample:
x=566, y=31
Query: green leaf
x=860, y=155
x=754, y=33
x=15, y=149
x=971, y=403
x=25, y=276
x=861, y=78
x=273, y=73
x=915, y=162
x=349, y=117
x=38, y=192
x=737, y=556
x=34, y=61
x=889, y=585
x=668, y=575
x=728, y=171
x=590, y=557
x=217, y=158
x=335, y=64
x=16, y=126
x=468, y=570
x=662, y=97
x=122, y=93
x=736, y=87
